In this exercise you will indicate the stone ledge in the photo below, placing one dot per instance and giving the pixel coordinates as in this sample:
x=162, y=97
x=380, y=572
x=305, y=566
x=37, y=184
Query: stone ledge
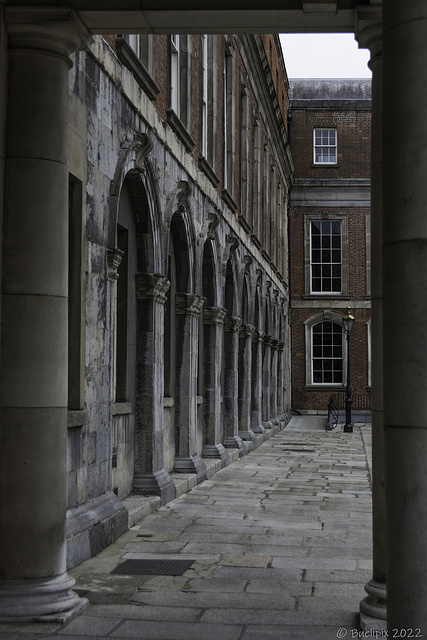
x=93, y=526
x=139, y=507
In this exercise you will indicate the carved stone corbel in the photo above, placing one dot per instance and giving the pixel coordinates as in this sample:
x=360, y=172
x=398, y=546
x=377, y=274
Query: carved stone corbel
x=113, y=260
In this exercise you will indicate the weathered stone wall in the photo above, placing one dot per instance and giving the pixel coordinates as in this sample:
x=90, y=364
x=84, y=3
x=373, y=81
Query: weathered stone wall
x=164, y=261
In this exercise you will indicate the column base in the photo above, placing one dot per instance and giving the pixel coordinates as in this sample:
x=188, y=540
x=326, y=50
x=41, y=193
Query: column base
x=158, y=483
x=247, y=435
x=50, y=600
x=270, y=428
x=216, y=451
x=258, y=429
x=234, y=442
x=191, y=464
x=373, y=608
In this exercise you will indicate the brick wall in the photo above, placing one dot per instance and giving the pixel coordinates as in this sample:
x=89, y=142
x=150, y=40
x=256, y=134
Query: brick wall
x=353, y=141
x=353, y=167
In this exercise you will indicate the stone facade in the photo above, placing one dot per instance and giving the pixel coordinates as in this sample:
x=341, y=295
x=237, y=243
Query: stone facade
x=333, y=191
x=179, y=340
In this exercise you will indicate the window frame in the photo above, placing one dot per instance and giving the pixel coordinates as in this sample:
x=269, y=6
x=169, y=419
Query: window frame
x=175, y=92
x=324, y=216
x=323, y=358
x=309, y=323
x=325, y=263
x=204, y=95
x=325, y=146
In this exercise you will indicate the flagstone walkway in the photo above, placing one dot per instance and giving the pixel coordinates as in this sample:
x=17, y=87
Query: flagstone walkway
x=280, y=544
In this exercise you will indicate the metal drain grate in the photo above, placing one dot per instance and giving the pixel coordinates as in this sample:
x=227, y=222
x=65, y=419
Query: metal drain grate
x=153, y=567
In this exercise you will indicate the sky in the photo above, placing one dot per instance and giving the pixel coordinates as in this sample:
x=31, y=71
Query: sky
x=336, y=55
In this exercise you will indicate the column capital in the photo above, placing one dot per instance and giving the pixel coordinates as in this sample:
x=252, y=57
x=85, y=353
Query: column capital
x=232, y=323
x=151, y=286
x=275, y=344
x=246, y=330
x=368, y=28
x=56, y=30
x=214, y=315
x=189, y=304
x=267, y=340
x=258, y=336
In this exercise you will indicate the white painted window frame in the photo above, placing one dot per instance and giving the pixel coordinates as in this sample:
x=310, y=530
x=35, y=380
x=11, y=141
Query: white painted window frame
x=325, y=146
x=309, y=323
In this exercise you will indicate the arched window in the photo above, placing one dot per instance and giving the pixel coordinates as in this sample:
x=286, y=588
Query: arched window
x=326, y=355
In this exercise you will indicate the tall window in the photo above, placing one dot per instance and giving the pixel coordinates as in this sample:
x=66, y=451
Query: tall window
x=229, y=116
x=325, y=256
x=204, y=57
x=325, y=146
x=175, y=65
x=327, y=353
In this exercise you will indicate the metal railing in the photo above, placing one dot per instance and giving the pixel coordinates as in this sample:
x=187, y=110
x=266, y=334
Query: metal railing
x=360, y=401
x=336, y=403
x=333, y=414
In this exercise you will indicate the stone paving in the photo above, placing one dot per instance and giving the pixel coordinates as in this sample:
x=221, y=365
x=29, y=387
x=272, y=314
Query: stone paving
x=281, y=543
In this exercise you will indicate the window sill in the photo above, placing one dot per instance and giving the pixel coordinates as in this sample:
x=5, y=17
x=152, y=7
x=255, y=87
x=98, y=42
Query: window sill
x=206, y=168
x=128, y=57
x=325, y=164
x=77, y=418
x=180, y=130
x=326, y=296
x=325, y=387
x=244, y=223
x=121, y=408
x=229, y=200
x=256, y=241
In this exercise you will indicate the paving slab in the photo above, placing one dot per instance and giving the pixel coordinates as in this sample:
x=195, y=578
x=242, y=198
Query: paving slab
x=281, y=544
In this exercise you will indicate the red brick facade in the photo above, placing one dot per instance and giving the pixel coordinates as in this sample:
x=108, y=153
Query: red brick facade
x=322, y=191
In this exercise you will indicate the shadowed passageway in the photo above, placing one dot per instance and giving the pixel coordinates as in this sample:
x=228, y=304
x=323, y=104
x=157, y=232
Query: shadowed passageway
x=280, y=543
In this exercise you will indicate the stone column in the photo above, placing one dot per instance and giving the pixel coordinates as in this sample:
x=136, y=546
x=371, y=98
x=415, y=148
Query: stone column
x=231, y=383
x=213, y=325
x=256, y=396
x=35, y=316
x=373, y=607
x=280, y=380
x=273, y=382
x=188, y=308
x=245, y=373
x=266, y=375
x=150, y=476
x=405, y=310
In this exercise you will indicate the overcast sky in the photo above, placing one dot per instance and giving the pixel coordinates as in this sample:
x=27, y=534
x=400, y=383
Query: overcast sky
x=334, y=55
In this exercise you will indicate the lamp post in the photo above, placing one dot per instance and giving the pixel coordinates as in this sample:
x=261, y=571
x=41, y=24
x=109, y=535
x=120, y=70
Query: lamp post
x=348, y=327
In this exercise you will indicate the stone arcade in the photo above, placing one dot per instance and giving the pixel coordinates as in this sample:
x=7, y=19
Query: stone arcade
x=36, y=43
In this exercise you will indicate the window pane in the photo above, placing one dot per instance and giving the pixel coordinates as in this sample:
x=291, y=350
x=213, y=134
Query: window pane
x=336, y=285
x=316, y=271
x=315, y=256
x=326, y=255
